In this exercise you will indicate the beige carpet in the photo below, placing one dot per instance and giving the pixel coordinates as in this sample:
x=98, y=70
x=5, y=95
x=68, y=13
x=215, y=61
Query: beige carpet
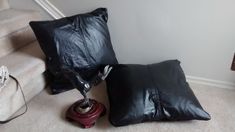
x=46, y=114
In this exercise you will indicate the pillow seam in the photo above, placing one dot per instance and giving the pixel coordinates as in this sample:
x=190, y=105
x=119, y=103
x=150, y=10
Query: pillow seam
x=158, y=94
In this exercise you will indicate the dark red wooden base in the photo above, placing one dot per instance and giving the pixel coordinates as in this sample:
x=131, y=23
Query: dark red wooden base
x=88, y=119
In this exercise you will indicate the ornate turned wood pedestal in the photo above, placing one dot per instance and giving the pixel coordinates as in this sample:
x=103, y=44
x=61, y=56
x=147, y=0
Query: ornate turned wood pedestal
x=85, y=117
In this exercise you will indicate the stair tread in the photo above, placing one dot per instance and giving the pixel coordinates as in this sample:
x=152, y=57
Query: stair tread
x=12, y=20
x=27, y=65
x=16, y=40
x=25, y=62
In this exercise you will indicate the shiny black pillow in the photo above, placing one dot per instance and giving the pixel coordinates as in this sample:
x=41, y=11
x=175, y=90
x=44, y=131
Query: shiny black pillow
x=81, y=43
x=140, y=93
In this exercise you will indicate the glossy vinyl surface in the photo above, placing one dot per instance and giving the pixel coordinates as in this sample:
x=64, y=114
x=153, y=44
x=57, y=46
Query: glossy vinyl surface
x=156, y=92
x=81, y=43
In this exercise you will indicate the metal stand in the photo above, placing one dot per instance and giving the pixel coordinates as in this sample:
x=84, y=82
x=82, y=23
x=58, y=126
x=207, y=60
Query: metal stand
x=85, y=111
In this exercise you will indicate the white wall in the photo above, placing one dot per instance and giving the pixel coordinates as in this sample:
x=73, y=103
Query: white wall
x=29, y=4
x=200, y=33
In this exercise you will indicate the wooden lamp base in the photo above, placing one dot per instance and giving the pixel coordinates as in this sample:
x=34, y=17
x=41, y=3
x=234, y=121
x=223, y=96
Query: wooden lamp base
x=87, y=119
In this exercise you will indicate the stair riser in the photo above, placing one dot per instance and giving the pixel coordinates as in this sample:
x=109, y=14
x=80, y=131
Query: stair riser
x=13, y=99
x=4, y=4
x=16, y=40
x=26, y=64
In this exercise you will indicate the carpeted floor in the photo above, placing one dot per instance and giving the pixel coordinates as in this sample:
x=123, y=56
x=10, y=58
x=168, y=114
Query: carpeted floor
x=46, y=114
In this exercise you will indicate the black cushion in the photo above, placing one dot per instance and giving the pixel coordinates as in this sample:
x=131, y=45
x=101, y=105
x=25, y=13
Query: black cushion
x=140, y=93
x=81, y=42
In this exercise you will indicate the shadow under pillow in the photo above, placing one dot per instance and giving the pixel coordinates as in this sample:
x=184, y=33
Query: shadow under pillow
x=156, y=92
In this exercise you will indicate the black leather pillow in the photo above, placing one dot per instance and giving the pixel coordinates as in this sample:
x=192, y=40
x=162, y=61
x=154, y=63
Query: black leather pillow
x=81, y=42
x=140, y=93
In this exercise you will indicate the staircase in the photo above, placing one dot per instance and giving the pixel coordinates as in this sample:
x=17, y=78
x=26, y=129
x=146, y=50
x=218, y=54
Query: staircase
x=4, y=5
x=20, y=52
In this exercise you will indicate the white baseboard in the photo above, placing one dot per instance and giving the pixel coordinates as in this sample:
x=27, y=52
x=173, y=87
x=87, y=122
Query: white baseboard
x=50, y=8
x=210, y=82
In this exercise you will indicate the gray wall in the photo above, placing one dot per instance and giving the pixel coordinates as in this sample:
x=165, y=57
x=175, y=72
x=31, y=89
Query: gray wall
x=200, y=33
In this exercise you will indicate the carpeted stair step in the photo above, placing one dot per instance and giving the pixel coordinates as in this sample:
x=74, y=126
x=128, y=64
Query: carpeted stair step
x=12, y=20
x=27, y=65
x=4, y=4
x=16, y=40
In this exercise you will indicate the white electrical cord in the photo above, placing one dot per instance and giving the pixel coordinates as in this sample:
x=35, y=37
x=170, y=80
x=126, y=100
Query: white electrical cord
x=4, y=76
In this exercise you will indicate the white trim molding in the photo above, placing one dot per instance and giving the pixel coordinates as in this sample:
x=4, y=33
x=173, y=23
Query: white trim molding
x=50, y=8
x=210, y=82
